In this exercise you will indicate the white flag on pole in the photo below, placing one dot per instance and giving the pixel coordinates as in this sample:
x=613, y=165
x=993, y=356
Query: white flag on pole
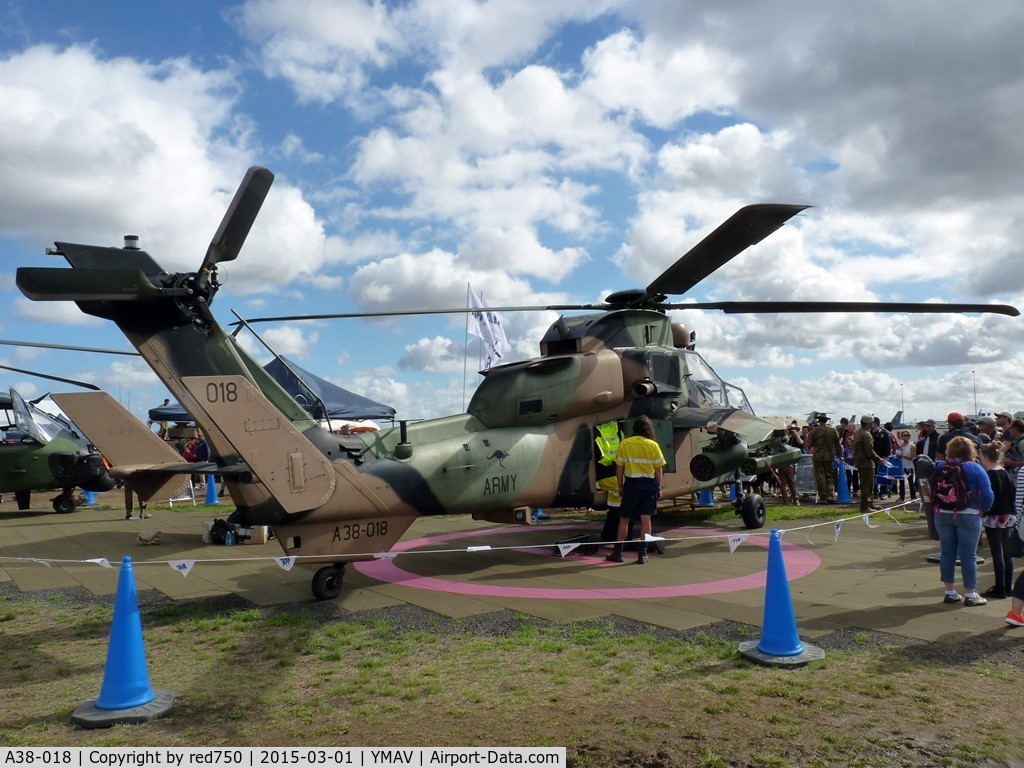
x=487, y=326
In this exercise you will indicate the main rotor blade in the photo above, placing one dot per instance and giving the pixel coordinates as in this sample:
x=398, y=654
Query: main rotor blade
x=52, y=378
x=748, y=226
x=100, y=350
x=878, y=307
x=239, y=217
x=407, y=312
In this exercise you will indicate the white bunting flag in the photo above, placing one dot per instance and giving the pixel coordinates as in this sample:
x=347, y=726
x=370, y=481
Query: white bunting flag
x=482, y=548
x=867, y=522
x=837, y=526
x=648, y=537
x=285, y=562
x=565, y=549
x=42, y=562
x=384, y=555
x=181, y=566
x=735, y=541
x=101, y=561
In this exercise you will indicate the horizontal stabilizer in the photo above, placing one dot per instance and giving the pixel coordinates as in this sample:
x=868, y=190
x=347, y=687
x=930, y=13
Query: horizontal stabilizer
x=125, y=442
x=50, y=284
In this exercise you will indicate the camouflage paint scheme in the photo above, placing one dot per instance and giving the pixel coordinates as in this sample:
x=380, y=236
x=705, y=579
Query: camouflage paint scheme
x=527, y=440
x=40, y=453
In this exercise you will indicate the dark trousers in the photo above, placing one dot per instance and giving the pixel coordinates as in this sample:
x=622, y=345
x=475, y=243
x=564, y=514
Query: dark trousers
x=908, y=479
x=1002, y=564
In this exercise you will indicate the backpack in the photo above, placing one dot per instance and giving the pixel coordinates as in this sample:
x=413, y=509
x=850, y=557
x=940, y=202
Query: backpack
x=949, y=486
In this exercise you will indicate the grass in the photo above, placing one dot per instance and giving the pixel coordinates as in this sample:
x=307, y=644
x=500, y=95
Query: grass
x=284, y=677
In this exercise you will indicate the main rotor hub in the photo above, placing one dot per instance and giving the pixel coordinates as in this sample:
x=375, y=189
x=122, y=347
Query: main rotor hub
x=632, y=297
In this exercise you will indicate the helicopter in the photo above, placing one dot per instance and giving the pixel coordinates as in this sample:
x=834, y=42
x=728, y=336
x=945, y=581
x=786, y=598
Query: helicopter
x=40, y=451
x=530, y=437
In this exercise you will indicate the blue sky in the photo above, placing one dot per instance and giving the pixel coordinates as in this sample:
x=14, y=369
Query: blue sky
x=543, y=152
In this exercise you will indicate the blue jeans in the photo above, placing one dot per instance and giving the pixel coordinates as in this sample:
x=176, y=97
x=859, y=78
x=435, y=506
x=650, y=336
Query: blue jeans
x=958, y=539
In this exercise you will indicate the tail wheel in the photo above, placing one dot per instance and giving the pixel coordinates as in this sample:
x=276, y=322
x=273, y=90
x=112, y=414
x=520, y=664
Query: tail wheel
x=327, y=582
x=752, y=511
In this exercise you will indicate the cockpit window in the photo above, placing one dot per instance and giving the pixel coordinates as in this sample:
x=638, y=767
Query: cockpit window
x=708, y=388
x=33, y=421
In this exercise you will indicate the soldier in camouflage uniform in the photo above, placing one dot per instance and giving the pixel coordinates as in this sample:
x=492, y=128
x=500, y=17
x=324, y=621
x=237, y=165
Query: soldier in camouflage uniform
x=823, y=443
x=866, y=460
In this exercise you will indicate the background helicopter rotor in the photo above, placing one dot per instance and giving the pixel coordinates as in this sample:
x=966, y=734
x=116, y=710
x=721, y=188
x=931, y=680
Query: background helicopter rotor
x=37, y=374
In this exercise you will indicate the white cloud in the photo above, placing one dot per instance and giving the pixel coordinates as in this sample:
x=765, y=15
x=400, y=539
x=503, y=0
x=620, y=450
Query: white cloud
x=60, y=312
x=319, y=46
x=292, y=146
x=436, y=355
x=660, y=82
x=102, y=147
x=291, y=341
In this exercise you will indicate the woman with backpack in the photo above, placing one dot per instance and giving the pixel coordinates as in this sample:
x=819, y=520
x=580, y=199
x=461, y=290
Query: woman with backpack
x=961, y=493
x=997, y=521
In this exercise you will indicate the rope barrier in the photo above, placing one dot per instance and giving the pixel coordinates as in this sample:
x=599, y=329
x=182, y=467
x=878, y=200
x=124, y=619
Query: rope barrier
x=287, y=561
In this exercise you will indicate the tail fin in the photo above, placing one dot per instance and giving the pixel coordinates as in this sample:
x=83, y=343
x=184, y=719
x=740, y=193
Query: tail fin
x=151, y=466
x=292, y=469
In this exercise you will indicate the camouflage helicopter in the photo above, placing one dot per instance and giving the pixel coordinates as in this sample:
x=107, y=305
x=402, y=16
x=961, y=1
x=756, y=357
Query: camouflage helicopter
x=530, y=438
x=40, y=451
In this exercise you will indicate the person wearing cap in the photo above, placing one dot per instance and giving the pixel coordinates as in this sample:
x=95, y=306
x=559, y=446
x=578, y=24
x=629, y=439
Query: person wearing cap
x=987, y=429
x=865, y=459
x=1003, y=419
x=823, y=444
x=957, y=428
x=884, y=445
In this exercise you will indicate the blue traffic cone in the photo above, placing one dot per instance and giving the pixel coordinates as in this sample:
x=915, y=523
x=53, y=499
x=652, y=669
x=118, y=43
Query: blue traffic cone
x=90, y=498
x=211, y=490
x=842, y=484
x=779, y=644
x=706, y=498
x=125, y=696
x=125, y=679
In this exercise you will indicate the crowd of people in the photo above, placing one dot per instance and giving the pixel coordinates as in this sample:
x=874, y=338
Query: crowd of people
x=968, y=475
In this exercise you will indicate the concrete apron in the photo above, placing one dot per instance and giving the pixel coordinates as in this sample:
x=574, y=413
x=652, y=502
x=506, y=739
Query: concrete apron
x=870, y=579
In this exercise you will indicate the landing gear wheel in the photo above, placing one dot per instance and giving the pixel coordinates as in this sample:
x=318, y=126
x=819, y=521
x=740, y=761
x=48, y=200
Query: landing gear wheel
x=752, y=511
x=64, y=503
x=327, y=582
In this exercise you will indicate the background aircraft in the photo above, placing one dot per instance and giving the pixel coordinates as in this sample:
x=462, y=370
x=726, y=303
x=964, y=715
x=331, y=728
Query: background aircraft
x=41, y=451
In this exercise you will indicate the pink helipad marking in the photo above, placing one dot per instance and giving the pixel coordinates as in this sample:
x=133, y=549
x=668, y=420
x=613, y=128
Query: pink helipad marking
x=798, y=560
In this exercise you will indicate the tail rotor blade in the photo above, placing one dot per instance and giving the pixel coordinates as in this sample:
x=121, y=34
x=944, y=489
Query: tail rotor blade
x=239, y=217
x=49, y=284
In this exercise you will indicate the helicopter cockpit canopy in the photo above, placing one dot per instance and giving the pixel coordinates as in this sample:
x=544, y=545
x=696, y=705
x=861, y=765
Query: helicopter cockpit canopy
x=707, y=389
x=32, y=421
